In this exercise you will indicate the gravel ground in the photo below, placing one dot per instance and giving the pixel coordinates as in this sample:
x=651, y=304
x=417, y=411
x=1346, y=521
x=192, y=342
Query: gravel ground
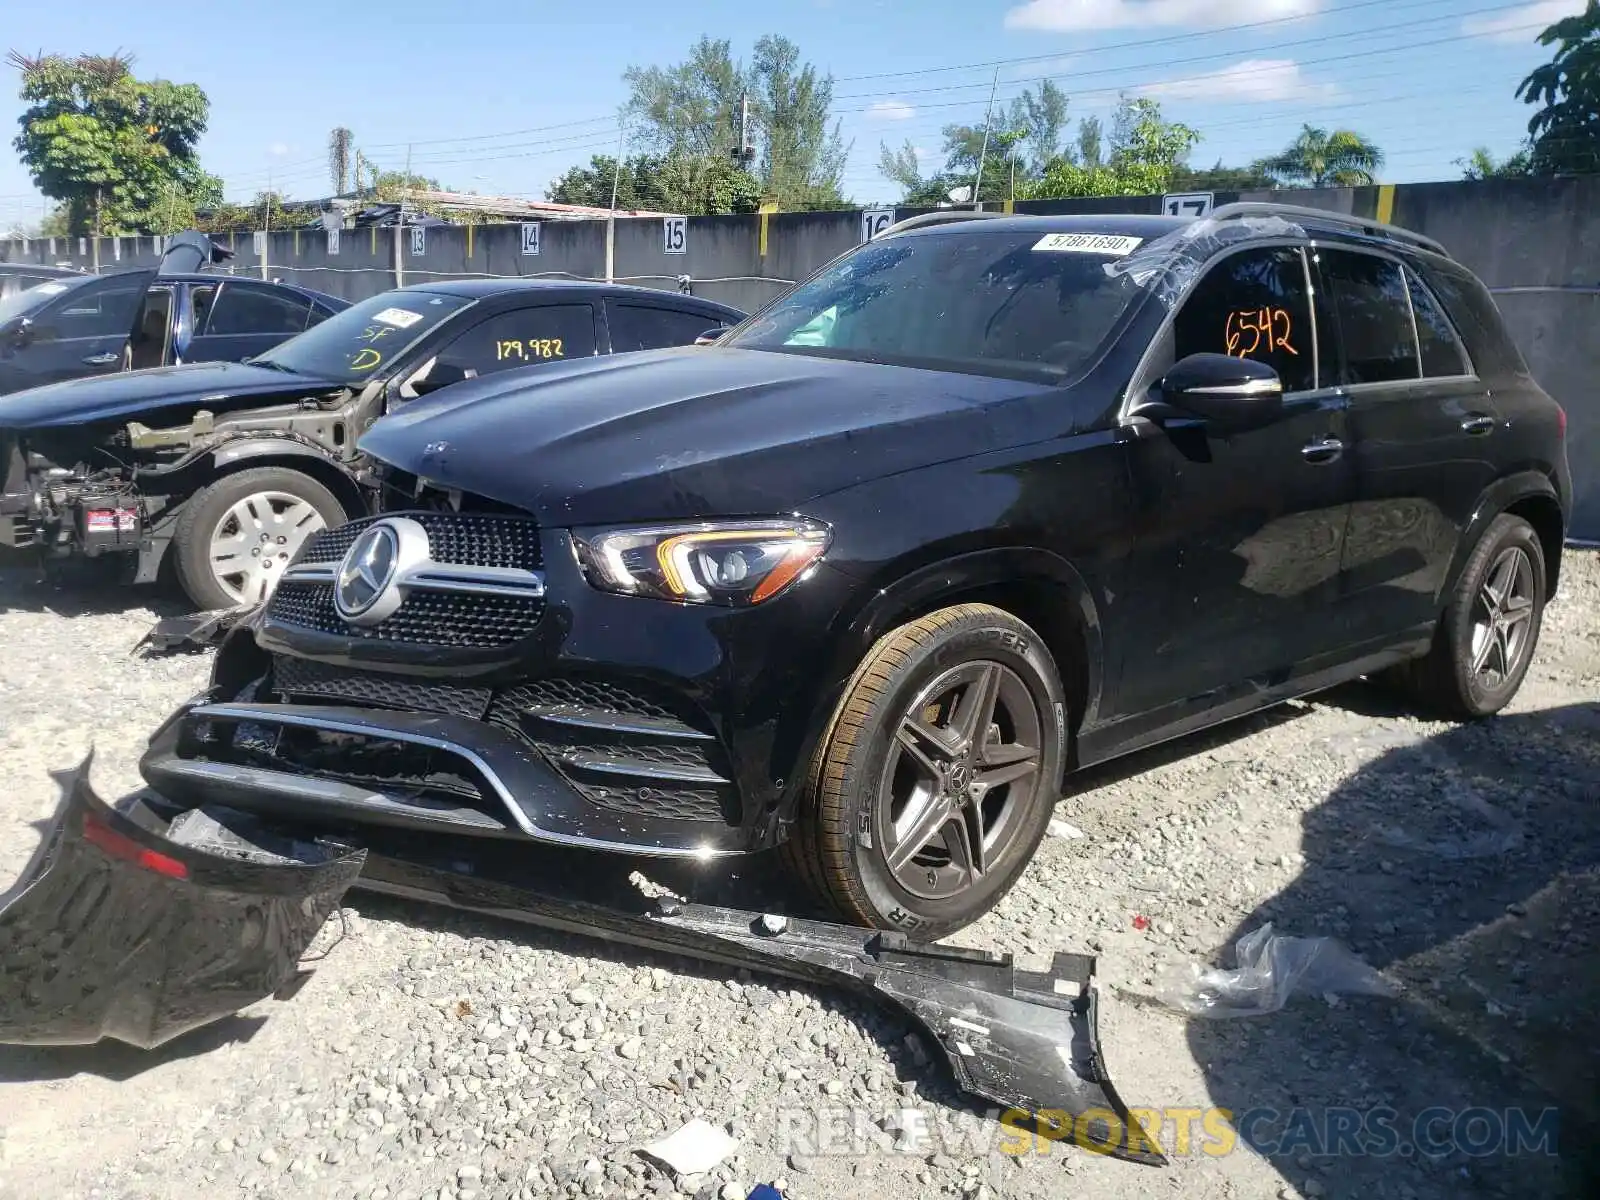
x=446, y=1057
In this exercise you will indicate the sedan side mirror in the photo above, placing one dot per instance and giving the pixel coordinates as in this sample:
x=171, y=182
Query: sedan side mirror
x=20, y=334
x=441, y=376
x=710, y=336
x=1228, y=391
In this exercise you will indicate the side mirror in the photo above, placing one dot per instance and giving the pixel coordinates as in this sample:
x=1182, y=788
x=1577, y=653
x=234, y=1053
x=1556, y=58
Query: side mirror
x=442, y=376
x=710, y=336
x=1222, y=389
x=19, y=334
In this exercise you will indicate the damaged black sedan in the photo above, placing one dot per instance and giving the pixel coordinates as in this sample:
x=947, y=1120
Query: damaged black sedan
x=224, y=469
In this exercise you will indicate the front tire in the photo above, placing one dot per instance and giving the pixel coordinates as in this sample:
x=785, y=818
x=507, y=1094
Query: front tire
x=1490, y=628
x=935, y=782
x=236, y=536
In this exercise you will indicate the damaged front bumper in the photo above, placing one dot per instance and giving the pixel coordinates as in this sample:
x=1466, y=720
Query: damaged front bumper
x=143, y=922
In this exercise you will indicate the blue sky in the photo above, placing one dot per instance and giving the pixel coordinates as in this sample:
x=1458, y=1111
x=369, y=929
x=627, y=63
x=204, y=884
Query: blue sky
x=1427, y=79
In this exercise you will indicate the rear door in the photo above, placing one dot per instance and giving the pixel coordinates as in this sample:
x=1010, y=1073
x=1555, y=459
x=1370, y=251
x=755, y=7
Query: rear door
x=87, y=331
x=530, y=334
x=638, y=324
x=242, y=319
x=1422, y=426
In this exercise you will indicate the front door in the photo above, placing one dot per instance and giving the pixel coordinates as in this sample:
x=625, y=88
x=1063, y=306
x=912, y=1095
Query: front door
x=85, y=331
x=1422, y=426
x=236, y=319
x=1235, y=563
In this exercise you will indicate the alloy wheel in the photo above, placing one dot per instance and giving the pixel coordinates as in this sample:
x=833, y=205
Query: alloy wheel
x=961, y=774
x=256, y=539
x=1502, y=618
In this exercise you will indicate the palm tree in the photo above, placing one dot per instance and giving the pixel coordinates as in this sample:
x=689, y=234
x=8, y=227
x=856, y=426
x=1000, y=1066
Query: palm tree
x=1318, y=158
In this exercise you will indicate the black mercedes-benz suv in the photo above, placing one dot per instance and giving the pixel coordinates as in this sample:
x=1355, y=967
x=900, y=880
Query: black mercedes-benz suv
x=982, y=502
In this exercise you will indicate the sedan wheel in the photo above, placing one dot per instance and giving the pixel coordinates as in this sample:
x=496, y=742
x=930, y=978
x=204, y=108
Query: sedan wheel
x=256, y=539
x=236, y=536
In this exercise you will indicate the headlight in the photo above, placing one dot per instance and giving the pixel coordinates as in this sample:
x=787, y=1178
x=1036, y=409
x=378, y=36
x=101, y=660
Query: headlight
x=716, y=562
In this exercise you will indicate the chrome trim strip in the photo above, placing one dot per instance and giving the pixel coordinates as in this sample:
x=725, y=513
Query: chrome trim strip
x=311, y=573
x=265, y=714
x=634, y=768
x=1251, y=387
x=439, y=577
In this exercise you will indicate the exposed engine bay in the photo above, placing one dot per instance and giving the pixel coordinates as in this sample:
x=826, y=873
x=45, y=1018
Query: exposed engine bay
x=113, y=487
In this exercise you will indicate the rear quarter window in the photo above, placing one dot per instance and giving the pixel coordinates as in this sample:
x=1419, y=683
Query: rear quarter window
x=1473, y=311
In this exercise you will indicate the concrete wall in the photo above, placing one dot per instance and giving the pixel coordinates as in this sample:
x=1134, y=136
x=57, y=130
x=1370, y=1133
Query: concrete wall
x=1535, y=243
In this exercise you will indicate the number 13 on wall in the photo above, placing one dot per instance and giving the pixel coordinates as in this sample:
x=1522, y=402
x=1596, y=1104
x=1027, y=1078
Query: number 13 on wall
x=676, y=232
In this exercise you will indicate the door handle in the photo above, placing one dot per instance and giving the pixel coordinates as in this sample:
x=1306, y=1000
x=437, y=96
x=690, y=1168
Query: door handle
x=1478, y=425
x=102, y=360
x=1324, y=450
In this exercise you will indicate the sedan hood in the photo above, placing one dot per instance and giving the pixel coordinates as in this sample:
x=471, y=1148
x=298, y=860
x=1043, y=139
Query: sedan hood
x=694, y=431
x=119, y=397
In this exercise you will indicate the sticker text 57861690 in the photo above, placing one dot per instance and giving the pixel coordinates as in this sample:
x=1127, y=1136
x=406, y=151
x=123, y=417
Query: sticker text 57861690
x=1109, y=244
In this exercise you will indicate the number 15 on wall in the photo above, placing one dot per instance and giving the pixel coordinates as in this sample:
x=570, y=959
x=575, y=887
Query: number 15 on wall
x=676, y=232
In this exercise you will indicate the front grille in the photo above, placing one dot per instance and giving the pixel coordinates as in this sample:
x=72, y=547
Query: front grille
x=297, y=679
x=432, y=618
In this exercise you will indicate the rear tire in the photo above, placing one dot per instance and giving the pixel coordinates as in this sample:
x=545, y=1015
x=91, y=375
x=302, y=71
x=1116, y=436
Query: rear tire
x=234, y=537
x=935, y=781
x=1489, y=630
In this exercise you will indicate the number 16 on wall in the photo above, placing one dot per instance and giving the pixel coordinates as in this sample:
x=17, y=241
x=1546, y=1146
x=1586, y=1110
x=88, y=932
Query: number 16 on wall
x=675, y=230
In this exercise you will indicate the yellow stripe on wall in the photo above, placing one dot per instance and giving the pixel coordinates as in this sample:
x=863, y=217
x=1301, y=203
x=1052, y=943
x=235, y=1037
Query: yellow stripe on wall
x=1008, y=207
x=1386, y=203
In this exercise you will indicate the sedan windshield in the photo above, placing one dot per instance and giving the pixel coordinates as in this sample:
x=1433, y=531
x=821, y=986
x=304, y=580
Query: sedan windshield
x=349, y=346
x=985, y=303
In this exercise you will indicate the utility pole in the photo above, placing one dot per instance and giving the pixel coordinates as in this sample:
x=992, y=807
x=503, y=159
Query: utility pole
x=611, y=216
x=266, y=236
x=400, y=224
x=977, y=187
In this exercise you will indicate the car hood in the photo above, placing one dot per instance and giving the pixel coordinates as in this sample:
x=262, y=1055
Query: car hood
x=129, y=393
x=693, y=431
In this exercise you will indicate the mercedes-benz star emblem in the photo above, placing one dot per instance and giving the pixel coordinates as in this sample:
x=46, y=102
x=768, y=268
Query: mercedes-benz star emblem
x=366, y=574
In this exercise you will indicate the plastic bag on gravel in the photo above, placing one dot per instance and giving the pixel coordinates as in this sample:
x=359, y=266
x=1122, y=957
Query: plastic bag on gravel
x=1271, y=968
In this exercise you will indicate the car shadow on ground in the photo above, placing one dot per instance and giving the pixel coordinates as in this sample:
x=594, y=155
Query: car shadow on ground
x=1467, y=868
x=84, y=590
x=118, y=1061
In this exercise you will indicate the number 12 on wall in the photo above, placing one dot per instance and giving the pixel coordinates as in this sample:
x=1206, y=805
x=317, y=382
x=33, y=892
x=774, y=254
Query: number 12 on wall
x=676, y=232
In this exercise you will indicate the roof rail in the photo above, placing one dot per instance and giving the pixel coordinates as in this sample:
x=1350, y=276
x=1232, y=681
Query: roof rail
x=943, y=217
x=1266, y=208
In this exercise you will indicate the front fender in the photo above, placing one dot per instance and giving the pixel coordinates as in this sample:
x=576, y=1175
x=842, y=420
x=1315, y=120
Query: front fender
x=239, y=453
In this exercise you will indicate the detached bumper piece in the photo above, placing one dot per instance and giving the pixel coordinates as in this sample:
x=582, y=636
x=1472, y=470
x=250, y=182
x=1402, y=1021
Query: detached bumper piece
x=1022, y=1040
x=119, y=929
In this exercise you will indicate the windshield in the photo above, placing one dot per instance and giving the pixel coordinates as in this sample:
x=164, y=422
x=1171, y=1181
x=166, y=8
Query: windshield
x=350, y=345
x=995, y=303
x=28, y=303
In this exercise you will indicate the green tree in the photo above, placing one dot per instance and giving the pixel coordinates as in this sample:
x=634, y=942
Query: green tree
x=1566, y=129
x=1146, y=150
x=693, y=184
x=1317, y=158
x=696, y=110
x=1482, y=165
x=1221, y=179
x=1020, y=143
x=118, y=152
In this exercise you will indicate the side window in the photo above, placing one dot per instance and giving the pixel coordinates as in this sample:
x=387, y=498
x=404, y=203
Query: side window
x=1436, y=337
x=646, y=327
x=1368, y=297
x=521, y=337
x=95, y=312
x=1253, y=305
x=200, y=299
x=242, y=309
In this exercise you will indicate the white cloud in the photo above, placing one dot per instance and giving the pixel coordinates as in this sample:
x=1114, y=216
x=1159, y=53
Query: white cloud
x=891, y=110
x=1079, y=15
x=1253, y=81
x=278, y=149
x=1522, y=24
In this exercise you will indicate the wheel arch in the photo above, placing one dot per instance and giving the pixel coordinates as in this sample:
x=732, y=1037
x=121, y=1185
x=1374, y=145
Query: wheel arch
x=1037, y=586
x=1527, y=494
x=242, y=455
